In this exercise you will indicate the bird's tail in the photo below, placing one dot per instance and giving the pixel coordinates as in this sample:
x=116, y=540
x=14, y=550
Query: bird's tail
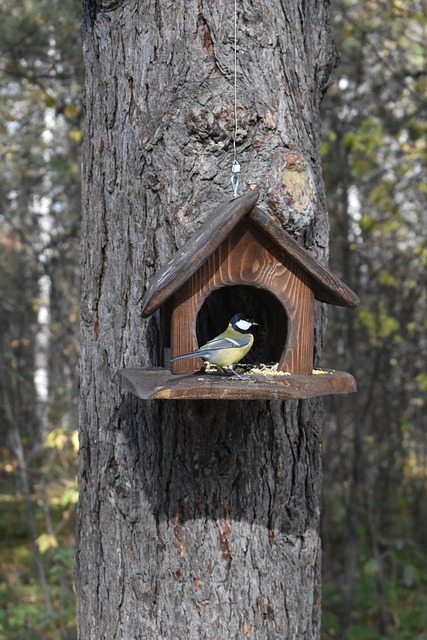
x=186, y=355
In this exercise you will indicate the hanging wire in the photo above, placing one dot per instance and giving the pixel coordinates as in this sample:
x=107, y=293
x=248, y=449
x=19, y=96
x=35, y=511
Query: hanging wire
x=235, y=167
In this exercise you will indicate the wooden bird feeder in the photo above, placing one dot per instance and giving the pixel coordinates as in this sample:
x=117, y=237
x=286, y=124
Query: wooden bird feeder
x=241, y=259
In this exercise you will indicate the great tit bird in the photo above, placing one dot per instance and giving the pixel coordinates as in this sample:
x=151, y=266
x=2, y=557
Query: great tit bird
x=229, y=347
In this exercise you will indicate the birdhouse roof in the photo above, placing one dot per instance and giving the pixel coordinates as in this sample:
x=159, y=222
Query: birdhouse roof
x=187, y=260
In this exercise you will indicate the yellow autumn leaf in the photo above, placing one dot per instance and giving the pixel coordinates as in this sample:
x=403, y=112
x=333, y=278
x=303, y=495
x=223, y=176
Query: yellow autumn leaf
x=71, y=110
x=56, y=439
x=75, y=135
x=75, y=440
x=46, y=542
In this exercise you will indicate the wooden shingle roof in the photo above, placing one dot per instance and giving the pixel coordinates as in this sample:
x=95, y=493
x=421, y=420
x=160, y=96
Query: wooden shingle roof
x=326, y=286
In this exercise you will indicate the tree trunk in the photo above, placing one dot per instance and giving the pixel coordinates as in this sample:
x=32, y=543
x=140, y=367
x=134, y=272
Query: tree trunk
x=196, y=519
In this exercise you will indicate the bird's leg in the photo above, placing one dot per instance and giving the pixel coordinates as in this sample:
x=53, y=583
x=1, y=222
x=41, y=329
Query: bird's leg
x=237, y=375
x=222, y=370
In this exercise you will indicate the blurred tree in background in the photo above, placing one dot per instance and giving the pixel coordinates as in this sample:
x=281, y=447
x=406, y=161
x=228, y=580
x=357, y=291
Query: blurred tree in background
x=375, y=467
x=40, y=131
x=375, y=508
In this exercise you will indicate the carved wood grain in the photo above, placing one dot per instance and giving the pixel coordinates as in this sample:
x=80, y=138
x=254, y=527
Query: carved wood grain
x=326, y=286
x=161, y=384
x=188, y=259
x=246, y=257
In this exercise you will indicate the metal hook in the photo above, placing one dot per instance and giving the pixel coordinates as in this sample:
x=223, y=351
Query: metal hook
x=235, y=170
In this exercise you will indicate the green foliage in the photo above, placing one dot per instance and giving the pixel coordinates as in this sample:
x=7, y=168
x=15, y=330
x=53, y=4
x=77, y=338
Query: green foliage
x=375, y=156
x=379, y=324
x=40, y=123
x=405, y=592
x=22, y=606
x=362, y=632
x=421, y=380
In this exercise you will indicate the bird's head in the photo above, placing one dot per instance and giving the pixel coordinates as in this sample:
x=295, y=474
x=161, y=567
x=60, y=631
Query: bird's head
x=241, y=323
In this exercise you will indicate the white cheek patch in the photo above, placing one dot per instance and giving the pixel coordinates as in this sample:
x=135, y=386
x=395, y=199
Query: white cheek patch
x=243, y=325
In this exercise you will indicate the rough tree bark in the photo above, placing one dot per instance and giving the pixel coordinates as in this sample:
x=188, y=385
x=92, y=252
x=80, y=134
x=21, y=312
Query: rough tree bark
x=196, y=519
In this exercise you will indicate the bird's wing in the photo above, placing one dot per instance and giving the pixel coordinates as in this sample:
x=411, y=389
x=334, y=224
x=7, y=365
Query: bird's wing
x=216, y=344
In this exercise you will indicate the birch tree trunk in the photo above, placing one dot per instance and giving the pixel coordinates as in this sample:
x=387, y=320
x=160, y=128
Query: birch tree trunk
x=196, y=519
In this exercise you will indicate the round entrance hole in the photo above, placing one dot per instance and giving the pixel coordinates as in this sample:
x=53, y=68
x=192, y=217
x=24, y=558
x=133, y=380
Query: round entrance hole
x=260, y=306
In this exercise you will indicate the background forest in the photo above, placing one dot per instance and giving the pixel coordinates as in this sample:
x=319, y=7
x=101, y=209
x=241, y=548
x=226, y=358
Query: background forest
x=374, y=525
